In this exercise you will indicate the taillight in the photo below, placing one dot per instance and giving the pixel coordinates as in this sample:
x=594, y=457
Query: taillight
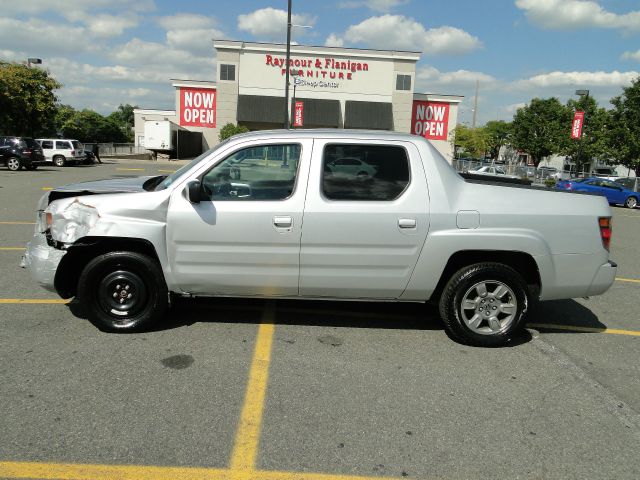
x=73, y=153
x=605, y=231
x=567, y=186
x=26, y=152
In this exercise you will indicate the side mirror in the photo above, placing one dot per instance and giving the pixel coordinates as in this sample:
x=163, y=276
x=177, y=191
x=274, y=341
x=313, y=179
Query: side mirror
x=194, y=191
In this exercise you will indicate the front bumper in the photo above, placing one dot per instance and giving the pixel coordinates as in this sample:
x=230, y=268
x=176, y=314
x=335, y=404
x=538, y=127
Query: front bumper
x=42, y=261
x=604, y=278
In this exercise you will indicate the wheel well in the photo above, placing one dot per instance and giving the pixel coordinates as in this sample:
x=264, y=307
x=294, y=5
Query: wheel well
x=88, y=248
x=521, y=262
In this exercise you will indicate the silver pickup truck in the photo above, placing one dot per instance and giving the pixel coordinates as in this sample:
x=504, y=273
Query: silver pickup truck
x=321, y=214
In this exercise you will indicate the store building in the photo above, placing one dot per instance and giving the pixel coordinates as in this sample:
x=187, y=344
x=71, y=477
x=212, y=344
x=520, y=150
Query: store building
x=330, y=87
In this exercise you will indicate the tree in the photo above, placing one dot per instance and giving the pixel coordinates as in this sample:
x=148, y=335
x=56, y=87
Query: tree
x=594, y=141
x=624, y=130
x=89, y=126
x=540, y=128
x=497, y=134
x=124, y=118
x=469, y=141
x=229, y=130
x=27, y=100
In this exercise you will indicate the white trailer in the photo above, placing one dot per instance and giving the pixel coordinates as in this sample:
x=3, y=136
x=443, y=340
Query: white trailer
x=159, y=136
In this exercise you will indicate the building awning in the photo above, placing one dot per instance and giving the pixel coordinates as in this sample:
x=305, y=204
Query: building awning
x=321, y=112
x=370, y=115
x=259, y=108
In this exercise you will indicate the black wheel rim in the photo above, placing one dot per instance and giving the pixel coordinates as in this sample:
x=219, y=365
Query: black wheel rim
x=122, y=294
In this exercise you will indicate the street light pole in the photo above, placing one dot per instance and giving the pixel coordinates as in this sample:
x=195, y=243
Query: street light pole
x=286, y=79
x=582, y=94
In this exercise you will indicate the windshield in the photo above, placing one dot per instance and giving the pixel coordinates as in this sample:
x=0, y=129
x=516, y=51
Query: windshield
x=185, y=168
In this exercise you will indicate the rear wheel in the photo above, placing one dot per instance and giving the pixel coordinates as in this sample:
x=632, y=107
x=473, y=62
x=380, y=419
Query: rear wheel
x=14, y=164
x=123, y=291
x=484, y=304
x=59, y=161
x=631, y=202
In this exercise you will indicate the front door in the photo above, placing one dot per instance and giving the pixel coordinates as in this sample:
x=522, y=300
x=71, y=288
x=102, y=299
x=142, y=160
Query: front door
x=363, y=233
x=244, y=237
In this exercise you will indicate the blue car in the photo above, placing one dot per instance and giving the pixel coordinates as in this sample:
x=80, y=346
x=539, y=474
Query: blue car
x=616, y=194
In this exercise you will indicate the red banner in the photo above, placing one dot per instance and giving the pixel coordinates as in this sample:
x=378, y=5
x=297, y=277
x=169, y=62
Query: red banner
x=430, y=119
x=298, y=114
x=576, y=126
x=198, y=107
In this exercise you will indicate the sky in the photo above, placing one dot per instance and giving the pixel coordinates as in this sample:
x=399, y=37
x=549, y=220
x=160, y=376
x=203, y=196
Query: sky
x=111, y=52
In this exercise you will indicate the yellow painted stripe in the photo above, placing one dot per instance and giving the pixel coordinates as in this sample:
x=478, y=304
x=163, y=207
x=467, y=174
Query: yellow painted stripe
x=12, y=248
x=633, y=280
x=107, y=472
x=17, y=223
x=167, y=171
x=71, y=471
x=245, y=449
x=33, y=301
x=572, y=328
x=47, y=188
x=131, y=169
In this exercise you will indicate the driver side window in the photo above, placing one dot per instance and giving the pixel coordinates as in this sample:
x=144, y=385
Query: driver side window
x=264, y=172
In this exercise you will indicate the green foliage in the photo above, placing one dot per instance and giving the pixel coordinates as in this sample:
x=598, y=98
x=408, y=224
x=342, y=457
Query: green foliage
x=124, y=118
x=229, y=130
x=89, y=126
x=624, y=131
x=541, y=128
x=593, y=143
x=497, y=134
x=469, y=142
x=550, y=182
x=27, y=100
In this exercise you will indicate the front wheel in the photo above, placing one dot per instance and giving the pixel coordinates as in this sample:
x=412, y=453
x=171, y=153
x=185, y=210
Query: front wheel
x=14, y=164
x=631, y=202
x=484, y=304
x=123, y=291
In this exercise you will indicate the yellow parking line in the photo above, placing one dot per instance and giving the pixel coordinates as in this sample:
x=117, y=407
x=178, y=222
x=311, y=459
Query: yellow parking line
x=73, y=471
x=572, y=328
x=245, y=449
x=633, y=280
x=47, y=188
x=131, y=169
x=167, y=171
x=17, y=223
x=33, y=301
x=12, y=248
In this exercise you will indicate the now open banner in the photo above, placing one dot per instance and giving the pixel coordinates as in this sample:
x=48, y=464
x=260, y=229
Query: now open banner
x=430, y=119
x=198, y=107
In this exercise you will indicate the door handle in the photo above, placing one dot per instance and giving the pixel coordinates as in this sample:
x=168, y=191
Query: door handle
x=283, y=222
x=407, y=223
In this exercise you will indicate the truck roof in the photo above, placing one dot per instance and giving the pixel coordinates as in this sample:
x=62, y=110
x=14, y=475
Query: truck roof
x=331, y=133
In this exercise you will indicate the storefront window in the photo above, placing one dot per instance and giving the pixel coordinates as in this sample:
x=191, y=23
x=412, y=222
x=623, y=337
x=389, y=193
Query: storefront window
x=403, y=82
x=227, y=72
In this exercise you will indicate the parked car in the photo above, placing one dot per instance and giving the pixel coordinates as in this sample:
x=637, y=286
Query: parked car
x=89, y=157
x=61, y=151
x=415, y=231
x=492, y=171
x=616, y=193
x=19, y=152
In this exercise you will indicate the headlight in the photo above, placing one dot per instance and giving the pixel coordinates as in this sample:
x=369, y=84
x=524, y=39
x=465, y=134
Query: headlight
x=41, y=222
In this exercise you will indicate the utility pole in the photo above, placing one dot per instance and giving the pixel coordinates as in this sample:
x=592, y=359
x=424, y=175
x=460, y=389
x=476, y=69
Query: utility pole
x=286, y=79
x=475, y=105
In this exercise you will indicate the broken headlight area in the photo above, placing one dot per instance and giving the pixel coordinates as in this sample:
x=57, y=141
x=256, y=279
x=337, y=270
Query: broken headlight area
x=68, y=222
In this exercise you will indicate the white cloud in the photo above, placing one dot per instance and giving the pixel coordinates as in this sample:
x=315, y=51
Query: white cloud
x=631, y=56
x=376, y=5
x=105, y=25
x=578, y=79
x=39, y=38
x=334, y=40
x=271, y=24
x=574, y=14
x=75, y=6
x=403, y=33
x=184, y=21
x=428, y=78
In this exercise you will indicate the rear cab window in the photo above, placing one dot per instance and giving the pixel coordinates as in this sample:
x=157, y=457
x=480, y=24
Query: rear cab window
x=363, y=172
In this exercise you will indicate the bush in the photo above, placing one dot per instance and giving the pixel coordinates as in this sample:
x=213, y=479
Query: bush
x=229, y=130
x=550, y=182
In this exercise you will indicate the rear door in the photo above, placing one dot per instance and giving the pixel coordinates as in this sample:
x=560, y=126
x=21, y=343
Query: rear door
x=47, y=149
x=362, y=235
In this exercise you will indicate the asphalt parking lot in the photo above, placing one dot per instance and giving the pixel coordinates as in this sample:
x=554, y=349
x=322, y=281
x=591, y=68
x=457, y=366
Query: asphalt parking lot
x=289, y=390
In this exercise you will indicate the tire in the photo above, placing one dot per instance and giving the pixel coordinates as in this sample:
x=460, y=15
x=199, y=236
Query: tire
x=14, y=164
x=484, y=304
x=59, y=161
x=123, y=291
x=631, y=202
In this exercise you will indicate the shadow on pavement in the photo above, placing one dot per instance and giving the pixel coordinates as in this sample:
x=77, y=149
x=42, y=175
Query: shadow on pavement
x=564, y=313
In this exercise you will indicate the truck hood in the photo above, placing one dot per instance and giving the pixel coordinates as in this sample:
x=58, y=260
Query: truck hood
x=114, y=185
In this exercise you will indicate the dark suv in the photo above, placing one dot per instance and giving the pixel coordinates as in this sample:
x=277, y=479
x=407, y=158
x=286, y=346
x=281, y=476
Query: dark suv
x=18, y=152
